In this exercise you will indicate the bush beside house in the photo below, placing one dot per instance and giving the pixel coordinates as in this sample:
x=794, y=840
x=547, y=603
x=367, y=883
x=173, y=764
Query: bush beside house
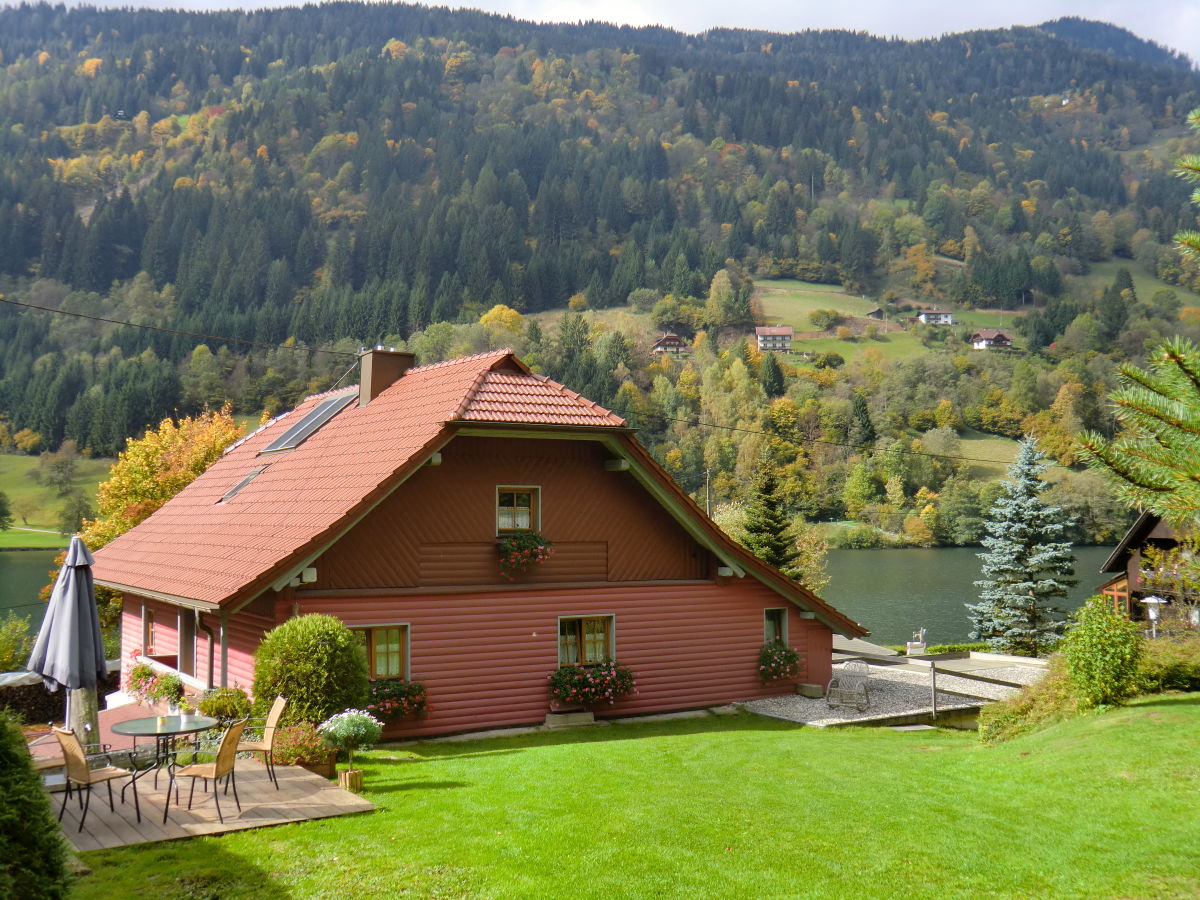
x=317, y=663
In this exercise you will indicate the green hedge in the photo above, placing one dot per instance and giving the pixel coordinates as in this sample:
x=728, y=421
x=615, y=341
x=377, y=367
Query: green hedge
x=33, y=854
x=1170, y=664
x=317, y=663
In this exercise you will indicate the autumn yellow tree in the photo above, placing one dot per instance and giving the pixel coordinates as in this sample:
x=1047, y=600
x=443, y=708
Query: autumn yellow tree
x=150, y=471
x=154, y=468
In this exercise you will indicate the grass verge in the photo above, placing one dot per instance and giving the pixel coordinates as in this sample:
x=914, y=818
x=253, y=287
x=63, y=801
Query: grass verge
x=731, y=807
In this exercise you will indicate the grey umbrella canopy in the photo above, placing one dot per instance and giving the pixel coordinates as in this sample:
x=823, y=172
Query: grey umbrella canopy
x=69, y=651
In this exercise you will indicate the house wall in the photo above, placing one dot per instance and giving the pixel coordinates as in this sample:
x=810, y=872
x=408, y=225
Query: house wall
x=439, y=528
x=484, y=656
x=246, y=631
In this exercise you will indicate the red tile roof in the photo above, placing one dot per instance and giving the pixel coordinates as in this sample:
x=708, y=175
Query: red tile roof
x=201, y=549
x=198, y=548
x=774, y=331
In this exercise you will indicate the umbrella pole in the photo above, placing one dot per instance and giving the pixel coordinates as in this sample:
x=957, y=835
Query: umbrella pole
x=84, y=717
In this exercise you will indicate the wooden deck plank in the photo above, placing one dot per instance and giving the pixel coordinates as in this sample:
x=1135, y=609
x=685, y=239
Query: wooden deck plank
x=301, y=796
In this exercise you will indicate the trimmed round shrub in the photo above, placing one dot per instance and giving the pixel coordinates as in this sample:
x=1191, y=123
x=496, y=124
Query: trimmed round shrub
x=1102, y=650
x=33, y=855
x=317, y=663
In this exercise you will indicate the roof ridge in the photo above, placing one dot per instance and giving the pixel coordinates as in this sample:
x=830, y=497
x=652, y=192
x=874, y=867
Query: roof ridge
x=579, y=398
x=470, y=394
x=507, y=351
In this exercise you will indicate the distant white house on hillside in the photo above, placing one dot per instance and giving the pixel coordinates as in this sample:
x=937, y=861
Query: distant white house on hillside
x=935, y=317
x=774, y=337
x=990, y=339
x=671, y=344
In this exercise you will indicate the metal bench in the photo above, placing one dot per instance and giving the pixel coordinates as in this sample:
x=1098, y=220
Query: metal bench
x=850, y=686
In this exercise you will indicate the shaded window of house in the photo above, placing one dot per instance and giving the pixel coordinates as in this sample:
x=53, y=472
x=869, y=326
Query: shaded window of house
x=775, y=625
x=586, y=640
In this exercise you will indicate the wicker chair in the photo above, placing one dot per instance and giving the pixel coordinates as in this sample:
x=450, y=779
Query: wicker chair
x=80, y=772
x=266, y=745
x=222, y=766
x=850, y=686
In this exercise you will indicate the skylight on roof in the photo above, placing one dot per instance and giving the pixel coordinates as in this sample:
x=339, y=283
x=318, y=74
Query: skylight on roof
x=229, y=494
x=304, y=429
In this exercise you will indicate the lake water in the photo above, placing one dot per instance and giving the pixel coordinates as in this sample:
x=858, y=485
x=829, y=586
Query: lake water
x=895, y=592
x=22, y=575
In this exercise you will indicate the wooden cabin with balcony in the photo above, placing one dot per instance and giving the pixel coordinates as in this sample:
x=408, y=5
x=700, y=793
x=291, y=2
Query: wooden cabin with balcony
x=383, y=505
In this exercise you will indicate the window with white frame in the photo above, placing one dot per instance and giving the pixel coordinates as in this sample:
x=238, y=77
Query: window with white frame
x=585, y=640
x=517, y=509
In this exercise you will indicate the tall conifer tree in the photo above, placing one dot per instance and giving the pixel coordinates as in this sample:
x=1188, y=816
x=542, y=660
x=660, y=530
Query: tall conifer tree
x=1027, y=565
x=768, y=531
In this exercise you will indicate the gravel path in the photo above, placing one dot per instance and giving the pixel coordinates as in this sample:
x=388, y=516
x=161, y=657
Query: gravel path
x=895, y=692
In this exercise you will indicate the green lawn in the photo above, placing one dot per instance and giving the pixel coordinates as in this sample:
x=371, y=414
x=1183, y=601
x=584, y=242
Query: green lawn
x=789, y=302
x=18, y=539
x=980, y=446
x=732, y=807
x=14, y=481
x=894, y=345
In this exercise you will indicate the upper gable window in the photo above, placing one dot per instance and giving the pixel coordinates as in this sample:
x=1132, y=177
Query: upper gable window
x=517, y=508
x=318, y=416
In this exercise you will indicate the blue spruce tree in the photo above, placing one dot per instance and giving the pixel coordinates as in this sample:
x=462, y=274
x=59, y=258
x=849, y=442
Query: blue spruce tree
x=1027, y=565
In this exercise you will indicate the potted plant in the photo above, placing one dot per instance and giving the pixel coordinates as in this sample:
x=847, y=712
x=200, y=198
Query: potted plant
x=583, y=686
x=777, y=661
x=302, y=745
x=141, y=682
x=354, y=729
x=520, y=551
x=393, y=699
x=168, y=687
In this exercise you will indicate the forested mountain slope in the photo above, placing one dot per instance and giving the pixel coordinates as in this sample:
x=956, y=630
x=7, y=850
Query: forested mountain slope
x=348, y=173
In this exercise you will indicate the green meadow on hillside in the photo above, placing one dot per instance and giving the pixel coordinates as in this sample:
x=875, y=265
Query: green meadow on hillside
x=15, y=482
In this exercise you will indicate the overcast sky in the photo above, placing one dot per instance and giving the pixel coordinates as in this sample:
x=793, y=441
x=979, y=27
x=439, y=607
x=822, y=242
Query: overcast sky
x=1172, y=23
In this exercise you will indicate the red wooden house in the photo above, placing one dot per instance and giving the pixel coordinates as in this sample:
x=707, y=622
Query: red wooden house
x=382, y=504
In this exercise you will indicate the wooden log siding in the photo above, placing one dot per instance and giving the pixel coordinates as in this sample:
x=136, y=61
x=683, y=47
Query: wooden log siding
x=603, y=524
x=485, y=656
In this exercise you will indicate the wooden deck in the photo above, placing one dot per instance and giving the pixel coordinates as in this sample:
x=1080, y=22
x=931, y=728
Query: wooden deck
x=301, y=796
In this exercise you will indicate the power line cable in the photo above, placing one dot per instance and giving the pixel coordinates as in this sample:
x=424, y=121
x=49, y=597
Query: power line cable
x=195, y=334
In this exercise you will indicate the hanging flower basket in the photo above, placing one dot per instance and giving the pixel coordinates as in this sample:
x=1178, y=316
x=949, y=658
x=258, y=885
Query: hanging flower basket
x=521, y=551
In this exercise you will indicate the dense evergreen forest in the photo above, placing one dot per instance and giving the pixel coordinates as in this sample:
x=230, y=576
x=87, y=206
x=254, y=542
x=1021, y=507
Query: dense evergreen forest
x=310, y=180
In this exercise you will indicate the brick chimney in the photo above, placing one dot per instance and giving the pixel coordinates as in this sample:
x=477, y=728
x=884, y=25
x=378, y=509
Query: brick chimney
x=379, y=370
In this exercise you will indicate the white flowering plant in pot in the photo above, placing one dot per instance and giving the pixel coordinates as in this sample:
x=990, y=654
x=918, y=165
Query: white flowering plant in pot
x=354, y=729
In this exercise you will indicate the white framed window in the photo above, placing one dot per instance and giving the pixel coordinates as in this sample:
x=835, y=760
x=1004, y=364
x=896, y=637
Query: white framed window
x=518, y=508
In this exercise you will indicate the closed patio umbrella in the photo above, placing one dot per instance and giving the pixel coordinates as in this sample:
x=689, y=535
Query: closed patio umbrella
x=69, y=651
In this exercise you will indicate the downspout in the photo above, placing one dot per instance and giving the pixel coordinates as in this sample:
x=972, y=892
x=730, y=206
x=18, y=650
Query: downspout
x=212, y=647
x=224, y=648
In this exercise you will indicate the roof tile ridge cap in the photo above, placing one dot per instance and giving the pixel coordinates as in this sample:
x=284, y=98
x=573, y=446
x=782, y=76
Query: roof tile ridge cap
x=471, y=393
x=446, y=363
x=582, y=400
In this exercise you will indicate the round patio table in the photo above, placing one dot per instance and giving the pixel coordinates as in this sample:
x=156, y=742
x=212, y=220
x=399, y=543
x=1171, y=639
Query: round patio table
x=163, y=729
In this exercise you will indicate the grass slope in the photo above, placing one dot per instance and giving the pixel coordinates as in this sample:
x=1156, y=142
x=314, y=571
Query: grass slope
x=732, y=807
x=1000, y=451
x=1103, y=273
x=21, y=539
x=14, y=481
